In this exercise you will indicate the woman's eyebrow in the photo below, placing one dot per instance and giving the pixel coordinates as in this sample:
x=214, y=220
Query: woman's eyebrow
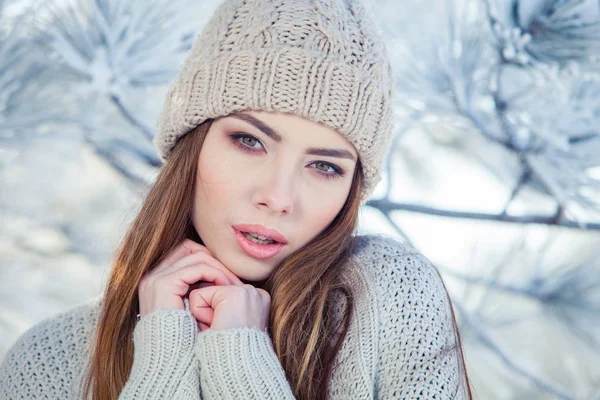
x=267, y=130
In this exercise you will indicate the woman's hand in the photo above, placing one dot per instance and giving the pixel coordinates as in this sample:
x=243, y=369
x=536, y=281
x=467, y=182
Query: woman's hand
x=222, y=307
x=189, y=263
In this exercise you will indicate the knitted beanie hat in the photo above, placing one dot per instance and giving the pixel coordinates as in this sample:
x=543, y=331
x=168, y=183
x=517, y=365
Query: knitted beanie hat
x=324, y=60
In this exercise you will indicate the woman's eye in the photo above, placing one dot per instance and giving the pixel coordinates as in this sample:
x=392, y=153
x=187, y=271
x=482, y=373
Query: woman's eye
x=249, y=140
x=326, y=166
x=247, y=143
x=329, y=171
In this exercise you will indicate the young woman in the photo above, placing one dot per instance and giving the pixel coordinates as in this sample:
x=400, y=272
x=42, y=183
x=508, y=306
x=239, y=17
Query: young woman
x=241, y=276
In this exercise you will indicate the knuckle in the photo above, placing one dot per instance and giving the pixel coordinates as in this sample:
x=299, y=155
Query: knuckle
x=188, y=241
x=240, y=291
x=265, y=295
x=178, y=285
x=204, y=258
x=198, y=251
x=196, y=256
x=250, y=290
x=191, y=245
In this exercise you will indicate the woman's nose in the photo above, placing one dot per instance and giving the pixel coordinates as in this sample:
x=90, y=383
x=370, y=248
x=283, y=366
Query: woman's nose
x=276, y=192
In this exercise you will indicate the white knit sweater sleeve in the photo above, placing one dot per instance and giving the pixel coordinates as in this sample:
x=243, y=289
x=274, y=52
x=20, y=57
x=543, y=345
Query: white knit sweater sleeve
x=46, y=360
x=164, y=365
x=50, y=360
x=418, y=358
x=240, y=363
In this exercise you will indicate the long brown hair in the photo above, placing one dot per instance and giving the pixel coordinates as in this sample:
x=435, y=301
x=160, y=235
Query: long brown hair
x=305, y=336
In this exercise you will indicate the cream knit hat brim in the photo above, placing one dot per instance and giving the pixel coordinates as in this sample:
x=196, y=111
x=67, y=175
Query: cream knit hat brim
x=334, y=84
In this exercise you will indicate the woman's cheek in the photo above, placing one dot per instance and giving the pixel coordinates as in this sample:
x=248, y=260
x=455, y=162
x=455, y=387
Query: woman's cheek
x=217, y=170
x=326, y=213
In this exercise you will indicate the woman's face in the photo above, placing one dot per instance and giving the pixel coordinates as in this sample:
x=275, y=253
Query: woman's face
x=280, y=171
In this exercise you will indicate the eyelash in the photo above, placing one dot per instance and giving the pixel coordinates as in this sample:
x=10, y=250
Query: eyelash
x=338, y=172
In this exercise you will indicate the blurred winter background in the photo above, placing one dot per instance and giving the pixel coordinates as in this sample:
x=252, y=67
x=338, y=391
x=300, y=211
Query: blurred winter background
x=494, y=172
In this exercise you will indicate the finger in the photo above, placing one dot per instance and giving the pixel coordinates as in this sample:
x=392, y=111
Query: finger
x=209, y=296
x=216, y=263
x=266, y=297
x=183, y=249
x=212, y=261
x=189, y=275
x=193, y=246
x=203, y=313
x=200, y=309
x=197, y=285
x=200, y=257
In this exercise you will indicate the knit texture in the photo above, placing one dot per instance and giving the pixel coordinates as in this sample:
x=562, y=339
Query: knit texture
x=396, y=346
x=320, y=59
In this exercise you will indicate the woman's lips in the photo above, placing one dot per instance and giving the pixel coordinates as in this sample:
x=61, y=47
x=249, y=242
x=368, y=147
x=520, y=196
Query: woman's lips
x=260, y=251
x=263, y=231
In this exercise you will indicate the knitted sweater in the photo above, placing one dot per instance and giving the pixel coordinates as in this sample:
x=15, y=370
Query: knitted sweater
x=402, y=323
